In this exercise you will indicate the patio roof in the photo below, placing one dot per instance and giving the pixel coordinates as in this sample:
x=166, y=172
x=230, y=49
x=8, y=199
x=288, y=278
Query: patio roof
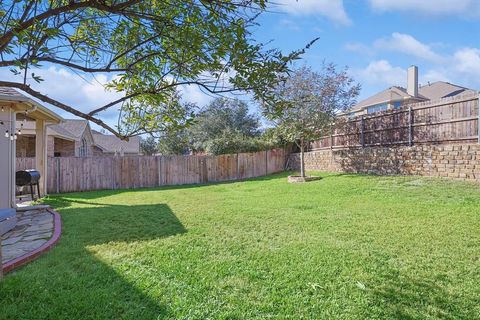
x=24, y=103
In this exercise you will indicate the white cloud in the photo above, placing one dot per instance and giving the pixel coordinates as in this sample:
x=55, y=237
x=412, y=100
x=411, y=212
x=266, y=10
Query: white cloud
x=358, y=47
x=433, y=75
x=332, y=9
x=461, y=68
x=429, y=7
x=407, y=44
x=193, y=94
x=82, y=93
x=381, y=72
x=467, y=61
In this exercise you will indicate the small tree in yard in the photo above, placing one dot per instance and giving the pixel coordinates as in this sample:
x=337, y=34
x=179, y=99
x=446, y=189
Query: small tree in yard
x=310, y=102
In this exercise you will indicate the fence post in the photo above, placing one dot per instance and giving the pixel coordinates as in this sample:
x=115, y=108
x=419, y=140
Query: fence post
x=410, y=126
x=159, y=173
x=266, y=162
x=113, y=173
x=238, y=168
x=331, y=136
x=57, y=174
x=478, y=124
x=362, y=132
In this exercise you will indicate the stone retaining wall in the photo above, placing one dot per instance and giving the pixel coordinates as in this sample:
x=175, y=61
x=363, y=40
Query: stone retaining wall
x=452, y=161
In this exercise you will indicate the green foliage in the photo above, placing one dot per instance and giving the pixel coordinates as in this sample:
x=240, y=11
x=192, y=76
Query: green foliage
x=273, y=138
x=310, y=102
x=233, y=142
x=223, y=126
x=156, y=117
x=223, y=119
x=175, y=142
x=345, y=247
x=148, y=146
x=148, y=48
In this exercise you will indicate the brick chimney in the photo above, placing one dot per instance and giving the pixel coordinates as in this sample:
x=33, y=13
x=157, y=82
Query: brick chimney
x=412, y=81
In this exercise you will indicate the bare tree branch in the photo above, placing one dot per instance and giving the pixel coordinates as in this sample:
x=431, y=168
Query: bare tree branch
x=44, y=98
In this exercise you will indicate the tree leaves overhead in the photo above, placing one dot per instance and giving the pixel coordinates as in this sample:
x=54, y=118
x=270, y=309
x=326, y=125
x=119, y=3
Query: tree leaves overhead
x=149, y=48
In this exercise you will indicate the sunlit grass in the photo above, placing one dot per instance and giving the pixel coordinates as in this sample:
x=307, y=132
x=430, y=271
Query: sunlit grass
x=344, y=247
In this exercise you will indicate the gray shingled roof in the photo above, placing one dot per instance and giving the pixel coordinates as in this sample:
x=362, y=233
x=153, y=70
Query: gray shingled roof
x=440, y=89
x=110, y=143
x=10, y=92
x=71, y=127
x=434, y=91
x=59, y=131
x=390, y=94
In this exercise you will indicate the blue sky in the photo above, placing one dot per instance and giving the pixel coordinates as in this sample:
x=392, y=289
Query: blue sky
x=377, y=39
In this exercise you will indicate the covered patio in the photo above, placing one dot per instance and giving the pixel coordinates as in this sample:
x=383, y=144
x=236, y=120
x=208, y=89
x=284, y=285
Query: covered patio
x=21, y=224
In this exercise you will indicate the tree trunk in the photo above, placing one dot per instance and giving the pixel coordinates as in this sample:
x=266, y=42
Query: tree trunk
x=302, y=158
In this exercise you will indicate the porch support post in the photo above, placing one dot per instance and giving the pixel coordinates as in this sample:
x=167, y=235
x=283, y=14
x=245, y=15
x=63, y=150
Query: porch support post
x=7, y=158
x=7, y=163
x=41, y=153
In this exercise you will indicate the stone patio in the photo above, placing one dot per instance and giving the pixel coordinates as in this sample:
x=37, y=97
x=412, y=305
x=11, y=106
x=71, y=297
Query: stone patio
x=34, y=228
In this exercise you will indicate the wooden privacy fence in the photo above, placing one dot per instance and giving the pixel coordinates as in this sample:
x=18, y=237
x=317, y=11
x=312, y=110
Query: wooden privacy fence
x=25, y=163
x=95, y=173
x=449, y=120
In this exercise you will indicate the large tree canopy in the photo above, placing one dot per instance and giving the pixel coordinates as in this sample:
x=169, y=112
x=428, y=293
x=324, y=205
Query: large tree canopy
x=149, y=48
x=223, y=117
x=223, y=126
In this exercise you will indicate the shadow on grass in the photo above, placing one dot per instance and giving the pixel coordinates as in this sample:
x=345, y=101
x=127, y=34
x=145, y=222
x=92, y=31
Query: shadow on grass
x=409, y=297
x=72, y=283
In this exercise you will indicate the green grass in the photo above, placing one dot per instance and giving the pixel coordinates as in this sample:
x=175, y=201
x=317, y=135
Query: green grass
x=344, y=247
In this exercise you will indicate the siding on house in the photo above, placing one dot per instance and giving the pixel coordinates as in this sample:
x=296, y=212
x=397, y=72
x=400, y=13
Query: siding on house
x=75, y=138
x=84, y=144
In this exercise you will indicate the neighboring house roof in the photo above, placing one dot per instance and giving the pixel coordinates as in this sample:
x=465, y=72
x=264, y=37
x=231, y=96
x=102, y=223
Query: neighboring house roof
x=441, y=89
x=433, y=91
x=111, y=143
x=74, y=129
x=71, y=127
x=60, y=132
x=390, y=94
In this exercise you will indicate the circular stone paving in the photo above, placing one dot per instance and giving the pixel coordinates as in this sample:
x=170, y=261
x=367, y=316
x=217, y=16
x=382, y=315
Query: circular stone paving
x=34, y=228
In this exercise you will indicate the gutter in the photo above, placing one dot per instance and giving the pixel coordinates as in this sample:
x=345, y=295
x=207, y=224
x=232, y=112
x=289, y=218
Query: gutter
x=37, y=106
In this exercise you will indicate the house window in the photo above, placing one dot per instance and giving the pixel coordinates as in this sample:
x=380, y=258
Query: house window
x=377, y=108
x=397, y=105
x=83, y=148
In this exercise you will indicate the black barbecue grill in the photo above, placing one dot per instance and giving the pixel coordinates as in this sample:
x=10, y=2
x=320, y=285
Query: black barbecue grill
x=30, y=178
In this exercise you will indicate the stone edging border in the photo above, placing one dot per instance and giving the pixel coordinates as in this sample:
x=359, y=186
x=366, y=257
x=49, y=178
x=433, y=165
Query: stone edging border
x=30, y=256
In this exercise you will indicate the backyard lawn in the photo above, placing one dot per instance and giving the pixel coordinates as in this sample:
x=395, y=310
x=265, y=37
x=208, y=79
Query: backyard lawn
x=344, y=247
